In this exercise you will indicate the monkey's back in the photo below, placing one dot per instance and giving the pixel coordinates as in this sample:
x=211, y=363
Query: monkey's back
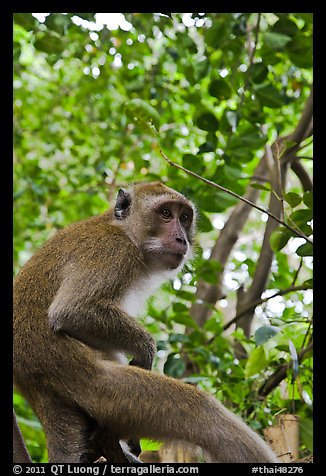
x=38, y=350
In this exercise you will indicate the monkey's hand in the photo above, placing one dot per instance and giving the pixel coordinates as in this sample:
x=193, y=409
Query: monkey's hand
x=145, y=354
x=145, y=361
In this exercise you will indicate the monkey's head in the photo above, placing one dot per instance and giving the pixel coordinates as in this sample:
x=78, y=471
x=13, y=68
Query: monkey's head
x=160, y=221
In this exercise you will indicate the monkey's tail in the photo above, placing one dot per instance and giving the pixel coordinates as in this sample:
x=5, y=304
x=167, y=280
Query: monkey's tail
x=138, y=403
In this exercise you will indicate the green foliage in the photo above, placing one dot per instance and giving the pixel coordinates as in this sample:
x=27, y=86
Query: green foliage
x=91, y=107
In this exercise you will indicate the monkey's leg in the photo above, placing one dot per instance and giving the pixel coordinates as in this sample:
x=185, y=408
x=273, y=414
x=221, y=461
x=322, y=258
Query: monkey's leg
x=106, y=444
x=66, y=431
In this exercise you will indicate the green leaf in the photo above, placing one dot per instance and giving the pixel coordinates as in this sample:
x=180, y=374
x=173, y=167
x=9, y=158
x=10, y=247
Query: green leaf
x=204, y=224
x=174, y=366
x=306, y=433
x=193, y=163
x=178, y=338
x=258, y=72
x=306, y=249
x=276, y=41
x=150, y=445
x=85, y=16
x=26, y=20
x=308, y=199
x=216, y=34
x=285, y=26
x=293, y=199
x=179, y=307
x=243, y=143
x=301, y=217
x=50, y=44
x=209, y=270
x=206, y=121
x=300, y=51
x=264, y=333
x=279, y=238
x=261, y=186
x=58, y=23
x=256, y=362
x=269, y=96
x=143, y=112
x=309, y=282
x=215, y=201
x=185, y=319
x=220, y=89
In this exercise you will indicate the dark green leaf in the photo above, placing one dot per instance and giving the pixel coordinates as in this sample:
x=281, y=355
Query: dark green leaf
x=85, y=16
x=285, y=26
x=26, y=20
x=204, y=223
x=269, y=96
x=216, y=34
x=305, y=250
x=276, y=41
x=193, y=163
x=306, y=433
x=50, y=44
x=309, y=282
x=260, y=186
x=308, y=199
x=301, y=217
x=58, y=23
x=258, y=72
x=243, y=144
x=279, y=238
x=293, y=199
x=220, y=89
x=174, y=366
x=300, y=51
x=206, y=121
x=215, y=201
x=179, y=307
x=178, y=339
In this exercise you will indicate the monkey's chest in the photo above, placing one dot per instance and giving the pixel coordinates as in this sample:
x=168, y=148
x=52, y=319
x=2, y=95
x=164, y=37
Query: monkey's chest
x=134, y=300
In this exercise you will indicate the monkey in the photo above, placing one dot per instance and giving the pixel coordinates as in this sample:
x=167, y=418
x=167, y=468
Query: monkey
x=75, y=329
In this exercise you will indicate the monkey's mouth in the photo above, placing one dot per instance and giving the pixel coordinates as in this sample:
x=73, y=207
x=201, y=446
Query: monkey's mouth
x=172, y=259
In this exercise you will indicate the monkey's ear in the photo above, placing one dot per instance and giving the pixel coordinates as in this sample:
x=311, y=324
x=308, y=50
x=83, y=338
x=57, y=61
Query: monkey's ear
x=122, y=204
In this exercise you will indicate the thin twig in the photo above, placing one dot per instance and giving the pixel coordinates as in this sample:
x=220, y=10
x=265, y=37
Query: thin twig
x=239, y=197
x=280, y=374
x=282, y=292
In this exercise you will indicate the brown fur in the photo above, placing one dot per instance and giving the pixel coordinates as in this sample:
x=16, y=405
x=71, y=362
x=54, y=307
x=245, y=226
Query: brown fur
x=69, y=327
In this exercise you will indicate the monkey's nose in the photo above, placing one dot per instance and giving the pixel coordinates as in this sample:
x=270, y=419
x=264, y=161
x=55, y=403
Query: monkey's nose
x=182, y=245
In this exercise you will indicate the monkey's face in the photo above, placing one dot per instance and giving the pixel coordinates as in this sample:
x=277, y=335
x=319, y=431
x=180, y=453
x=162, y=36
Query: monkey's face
x=161, y=223
x=167, y=243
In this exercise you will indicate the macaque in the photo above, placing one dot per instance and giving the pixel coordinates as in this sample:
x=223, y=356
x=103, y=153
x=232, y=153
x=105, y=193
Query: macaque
x=75, y=307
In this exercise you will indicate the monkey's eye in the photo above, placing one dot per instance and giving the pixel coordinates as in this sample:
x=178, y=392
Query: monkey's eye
x=166, y=213
x=184, y=217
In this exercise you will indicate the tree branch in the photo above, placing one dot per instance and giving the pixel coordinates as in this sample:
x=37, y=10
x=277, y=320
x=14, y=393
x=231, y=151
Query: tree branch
x=280, y=374
x=302, y=175
x=20, y=452
x=256, y=303
x=230, y=192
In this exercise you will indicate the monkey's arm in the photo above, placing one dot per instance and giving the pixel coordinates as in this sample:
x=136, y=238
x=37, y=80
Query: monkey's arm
x=100, y=323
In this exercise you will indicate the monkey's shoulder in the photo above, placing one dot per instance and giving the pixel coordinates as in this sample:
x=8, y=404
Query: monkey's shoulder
x=95, y=239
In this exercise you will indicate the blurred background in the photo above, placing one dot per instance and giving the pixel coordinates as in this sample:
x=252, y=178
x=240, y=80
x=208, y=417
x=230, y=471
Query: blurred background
x=227, y=96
